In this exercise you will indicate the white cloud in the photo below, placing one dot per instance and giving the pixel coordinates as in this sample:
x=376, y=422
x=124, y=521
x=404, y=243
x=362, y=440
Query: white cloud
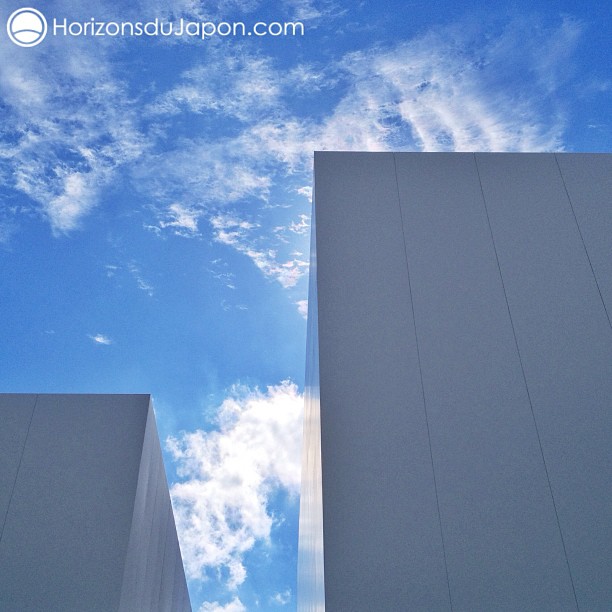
x=254, y=88
x=75, y=199
x=303, y=308
x=100, y=339
x=233, y=231
x=305, y=10
x=219, y=270
x=7, y=229
x=230, y=229
x=229, y=474
x=443, y=91
x=457, y=88
x=184, y=220
x=306, y=191
x=446, y=90
x=281, y=599
x=300, y=227
x=75, y=126
x=142, y=284
x=204, y=173
x=452, y=89
x=117, y=272
x=287, y=273
x=227, y=306
x=233, y=606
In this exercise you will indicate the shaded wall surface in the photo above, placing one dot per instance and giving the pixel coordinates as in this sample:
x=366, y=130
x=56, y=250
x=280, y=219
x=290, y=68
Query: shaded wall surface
x=85, y=515
x=465, y=383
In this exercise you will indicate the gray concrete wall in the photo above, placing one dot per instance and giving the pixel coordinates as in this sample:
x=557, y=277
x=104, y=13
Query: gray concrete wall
x=465, y=352
x=84, y=504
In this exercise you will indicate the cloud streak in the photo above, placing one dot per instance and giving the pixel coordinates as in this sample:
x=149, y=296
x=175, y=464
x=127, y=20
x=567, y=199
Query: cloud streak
x=100, y=339
x=238, y=233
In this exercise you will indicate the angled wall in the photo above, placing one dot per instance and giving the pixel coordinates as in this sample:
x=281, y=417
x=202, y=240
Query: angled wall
x=465, y=376
x=85, y=515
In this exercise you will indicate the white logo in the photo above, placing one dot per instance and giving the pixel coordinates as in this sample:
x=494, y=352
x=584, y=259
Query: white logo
x=27, y=27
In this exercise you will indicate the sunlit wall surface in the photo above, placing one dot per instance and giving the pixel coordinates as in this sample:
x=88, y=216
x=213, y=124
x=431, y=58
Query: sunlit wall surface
x=465, y=364
x=85, y=515
x=311, y=587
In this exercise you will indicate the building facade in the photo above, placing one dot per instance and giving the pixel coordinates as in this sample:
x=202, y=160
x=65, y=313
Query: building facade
x=85, y=511
x=458, y=423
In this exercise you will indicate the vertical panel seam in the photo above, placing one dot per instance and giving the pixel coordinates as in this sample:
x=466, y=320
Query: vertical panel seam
x=416, y=338
x=569, y=199
x=25, y=441
x=524, y=376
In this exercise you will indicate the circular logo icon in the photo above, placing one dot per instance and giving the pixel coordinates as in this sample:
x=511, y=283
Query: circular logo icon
x=27, y=27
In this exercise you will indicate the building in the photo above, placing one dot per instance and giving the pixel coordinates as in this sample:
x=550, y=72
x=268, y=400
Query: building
x=458, y=424
x=84, y=507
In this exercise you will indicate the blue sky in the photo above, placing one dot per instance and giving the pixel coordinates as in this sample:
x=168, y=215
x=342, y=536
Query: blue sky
x=155, y=207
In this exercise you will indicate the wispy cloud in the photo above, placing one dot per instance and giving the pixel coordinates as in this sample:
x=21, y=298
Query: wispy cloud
x=77, y=127
x=227, y=306
x=305, y=191
x=233, y=231
x=253, y=90
x=129, y=269
x=458, y=88
x=300, y=227
x=281, y=599
x=287, y=273
x=111, y=270
x=445, y=91
x=183, y=220
x=230, y=229
x=203, y=173
x=142, y=284
x=7, y=228
x=463, y=87
x=229, y=475
x=219, y=270
x=455, y=89
x=305, y=10
x=100, y=339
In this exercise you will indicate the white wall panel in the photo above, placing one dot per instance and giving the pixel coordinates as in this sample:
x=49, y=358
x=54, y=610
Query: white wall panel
x=465, y=365
x=565, y=342
x=382, y=539
x=503, y=545
x=83, y=521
